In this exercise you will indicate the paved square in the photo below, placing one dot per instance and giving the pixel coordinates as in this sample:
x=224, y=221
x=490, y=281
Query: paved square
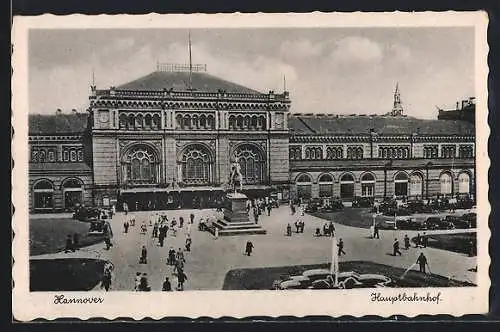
x=210, y=259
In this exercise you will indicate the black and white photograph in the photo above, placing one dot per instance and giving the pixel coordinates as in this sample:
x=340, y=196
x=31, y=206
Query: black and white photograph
x=322, y=159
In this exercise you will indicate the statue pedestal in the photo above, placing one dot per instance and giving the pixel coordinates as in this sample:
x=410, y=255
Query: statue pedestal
x=236, y=219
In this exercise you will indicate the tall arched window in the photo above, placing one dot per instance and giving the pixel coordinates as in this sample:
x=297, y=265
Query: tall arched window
x=123, y=121
x=304, y=186
x=347, y=186
x=325, y=185
x=252, y=163
x=463, y=183
x=416, y=187
x=401, y=184
x=196, y=165
x=368, y=185
x=72, y=193
x=295, y=152
x=43, y=192
x=140, y=165
x=446, y=184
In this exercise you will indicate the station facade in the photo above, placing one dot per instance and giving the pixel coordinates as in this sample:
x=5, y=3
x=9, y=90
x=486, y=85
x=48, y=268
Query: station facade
x=168, y=140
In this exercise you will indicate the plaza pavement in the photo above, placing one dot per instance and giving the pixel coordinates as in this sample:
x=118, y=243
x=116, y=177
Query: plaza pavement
x=210, y=259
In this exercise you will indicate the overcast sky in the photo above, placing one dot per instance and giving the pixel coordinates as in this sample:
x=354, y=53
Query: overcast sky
x=327, y=70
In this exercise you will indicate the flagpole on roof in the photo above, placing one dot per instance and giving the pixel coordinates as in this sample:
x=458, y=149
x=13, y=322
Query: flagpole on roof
x=190, y=64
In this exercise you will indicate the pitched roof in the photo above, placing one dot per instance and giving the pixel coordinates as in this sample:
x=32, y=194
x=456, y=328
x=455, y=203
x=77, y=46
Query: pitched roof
x=200, y=81
x=327, y=124
x=63, y=123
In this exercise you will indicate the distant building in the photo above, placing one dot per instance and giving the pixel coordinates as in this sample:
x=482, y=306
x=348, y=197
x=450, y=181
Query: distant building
x=168, y=140
x=465, y=111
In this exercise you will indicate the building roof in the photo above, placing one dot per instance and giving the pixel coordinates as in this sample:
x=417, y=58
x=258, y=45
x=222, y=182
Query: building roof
x=200, y=81
x=63, y=123
x=393, y=125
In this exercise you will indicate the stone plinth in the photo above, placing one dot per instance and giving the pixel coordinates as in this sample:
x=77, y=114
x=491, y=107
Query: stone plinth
x=236, y=220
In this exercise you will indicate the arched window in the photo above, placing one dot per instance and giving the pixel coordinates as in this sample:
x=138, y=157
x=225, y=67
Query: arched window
x=72, y=193
x=232, y=122
x=43, y=192
x=52, y=156
x=304, y=186
x=139, y=121
x=187, y=122
x=254, y=122
x=196, y=165
x=41, y=156
x=123, y=121
x=446, y=184
x=368, y=185
x=73, y=156
x=252, y=163
x=347, y=186
x=401, y=184
x=180, y=123
x=239, y=122
x=34, y=155
x=148, y=121
x=196, y=123
x=80, y=155
x=416, y=187
x=210, y=122
x=140, y=165
x=131, y=121
x=295, y=153
x=156, y=121
x=334, y=152
x=203, y=121
x=318, y=153
x=65, y=155
x=463, y=183
x=263, y=122
x=325, y=185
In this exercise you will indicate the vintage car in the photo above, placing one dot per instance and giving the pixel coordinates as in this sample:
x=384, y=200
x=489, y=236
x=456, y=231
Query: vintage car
x=334, y=206
x=458, y=222
x=410, y=224
x=438, y=223
x=471, y=218
x=362, y=202
x=312, y=207
x=96, y=227
x=86, y=213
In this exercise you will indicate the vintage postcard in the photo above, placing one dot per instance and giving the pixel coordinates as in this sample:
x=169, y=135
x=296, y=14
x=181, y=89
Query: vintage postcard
x=250, y=165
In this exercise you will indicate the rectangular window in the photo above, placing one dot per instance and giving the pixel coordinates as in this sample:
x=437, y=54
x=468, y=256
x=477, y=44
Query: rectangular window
x=325, y=190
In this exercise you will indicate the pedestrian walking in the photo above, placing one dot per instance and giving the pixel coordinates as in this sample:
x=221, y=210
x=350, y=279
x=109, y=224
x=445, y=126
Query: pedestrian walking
x=181, y=222
x=248, y=248
x=75, y=241
x=125, y=227
x=191, y=218
x=340, y=245
x=407, y=242
x=302, y=224
x=422, y=262
x=179, y=256
x=188, y=244
x=106, y=278
x=144, y=284
x=418, y=240
x=216, y=233
x=125, y=208
x=297, y=226
x=171, y=256
x=288, y=230
x=108, y=235
x=395, y=247
x=137, y=281
x=331, y=228
x=167, y=286
x=69, y=244
x=181, y=279
x=375, y=231
x=143, y=259
x=269, y=209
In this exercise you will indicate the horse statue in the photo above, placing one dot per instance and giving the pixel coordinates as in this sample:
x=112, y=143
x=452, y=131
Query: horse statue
x=236, y=179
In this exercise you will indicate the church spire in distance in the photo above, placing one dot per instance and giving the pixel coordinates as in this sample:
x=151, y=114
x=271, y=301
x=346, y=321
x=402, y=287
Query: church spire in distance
x=397, y=108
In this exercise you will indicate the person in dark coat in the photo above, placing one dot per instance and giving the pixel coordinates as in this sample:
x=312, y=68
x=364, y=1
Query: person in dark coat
x=181, y=222
x=125, y=227
x=418, y=240
x=331, y=228
x=75, y=241
x=249, y=248
x=188, y=244
x=395, y=247
x=288, y=230
x=181, y=279
x=269, y=209
x=69, y=244
x=302, y=224
x=407, y=242
x=297, y=226
x=422, y=262
x=144, y=285
x=340, y=245
x=161, y=237
x=375, y=231
x=106, y=279
x=167, y=286
x=144, y=256
x=191, y=217
x=171, y=256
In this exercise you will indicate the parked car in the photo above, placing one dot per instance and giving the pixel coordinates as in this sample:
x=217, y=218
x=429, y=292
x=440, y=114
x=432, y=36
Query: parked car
x=438, y=223
x=457, y=222
x=362, y=202
x=410, y=224
x=86, y=214
x=471, y=219
x=398, y=212
x=334, y=206
x=312, y=207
